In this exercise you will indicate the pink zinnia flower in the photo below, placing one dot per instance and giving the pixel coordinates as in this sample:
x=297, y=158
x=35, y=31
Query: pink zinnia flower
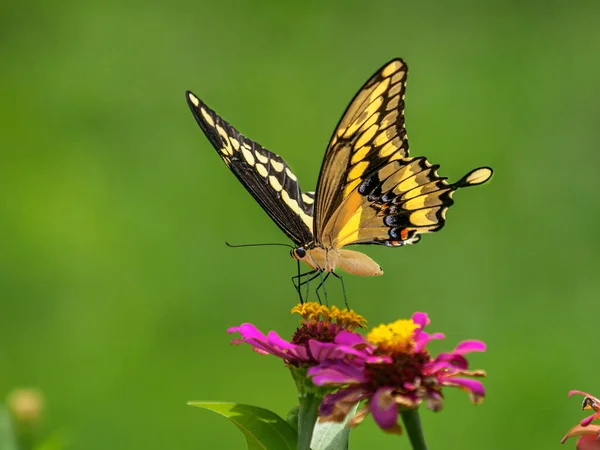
x=319, y=337
x=589, y=432
x=392, y=368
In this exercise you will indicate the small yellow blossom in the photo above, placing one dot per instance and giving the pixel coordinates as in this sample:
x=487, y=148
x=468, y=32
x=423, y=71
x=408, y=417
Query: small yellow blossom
x=344, y=318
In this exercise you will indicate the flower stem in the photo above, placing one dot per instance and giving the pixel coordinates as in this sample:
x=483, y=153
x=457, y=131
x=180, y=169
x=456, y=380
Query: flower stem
x=307, y=417
x=412, y=423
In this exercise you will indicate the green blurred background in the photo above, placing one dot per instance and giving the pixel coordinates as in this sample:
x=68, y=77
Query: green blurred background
x=116, y=287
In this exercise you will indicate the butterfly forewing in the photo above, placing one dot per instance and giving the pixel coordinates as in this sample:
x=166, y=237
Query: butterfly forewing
x=264, y=174
x=370, y=133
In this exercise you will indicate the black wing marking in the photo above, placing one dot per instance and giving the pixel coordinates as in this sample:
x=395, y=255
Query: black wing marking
x=264, y=174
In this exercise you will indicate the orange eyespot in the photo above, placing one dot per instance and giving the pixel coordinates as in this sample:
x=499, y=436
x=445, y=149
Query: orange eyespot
x=404, y=234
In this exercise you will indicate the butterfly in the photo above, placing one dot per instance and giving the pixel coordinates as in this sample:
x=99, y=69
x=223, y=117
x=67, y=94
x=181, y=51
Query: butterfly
x=369, y=191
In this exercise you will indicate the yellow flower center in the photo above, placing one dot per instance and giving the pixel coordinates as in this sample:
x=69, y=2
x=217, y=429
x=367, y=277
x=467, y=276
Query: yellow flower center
x=396, y=336
x=344, y=318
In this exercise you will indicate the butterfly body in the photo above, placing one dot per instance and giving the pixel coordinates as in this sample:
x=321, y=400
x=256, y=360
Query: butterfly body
x=328, y=259
x=369, y=191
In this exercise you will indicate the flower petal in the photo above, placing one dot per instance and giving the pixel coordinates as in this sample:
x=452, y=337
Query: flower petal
x=322, y=351
x=578, y=430
x=449, y=367
x=336, y=406
x=588, y=442
x=248, y=331
x=271, y=344
x=465, y=347
x=359, y=416
x=336, y=373
x=573, y=392
x=349, y=339
x=473, y=387
x=435, y=401
x=421, y=319
x=384, y=408
x=585, y=422
x=423, y=338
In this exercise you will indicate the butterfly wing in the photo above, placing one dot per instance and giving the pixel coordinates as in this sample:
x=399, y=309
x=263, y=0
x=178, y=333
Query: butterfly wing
x=264, y=174
x=369, y=190
x=398, y=203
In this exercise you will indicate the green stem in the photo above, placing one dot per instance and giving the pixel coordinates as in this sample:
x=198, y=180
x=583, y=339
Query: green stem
x=307, y=417
x=412, y=423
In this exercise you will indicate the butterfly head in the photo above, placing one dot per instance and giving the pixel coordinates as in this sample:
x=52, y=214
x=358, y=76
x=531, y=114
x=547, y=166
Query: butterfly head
x=298, y=253
x=316, y=257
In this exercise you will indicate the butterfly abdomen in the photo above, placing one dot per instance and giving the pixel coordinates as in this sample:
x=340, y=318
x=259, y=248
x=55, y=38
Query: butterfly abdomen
x=358, y=263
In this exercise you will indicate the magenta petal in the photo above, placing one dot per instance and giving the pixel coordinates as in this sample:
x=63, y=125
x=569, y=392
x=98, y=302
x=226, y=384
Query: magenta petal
x=585, y=422
x=421, y=319
x=434, y=401
x=469, y=346
x=591, y=397
x=322, y=351
x=287, y=348
x=383, y=408
x=349, y=395
x=588, y=442
x=348, y=338
x=573, y=392
x=274, y=339
x=422, y=339
x=336, y=372
x=248, y=331
x=270, y=344
x=474, y=386
x=437, y=366
x=451, y=361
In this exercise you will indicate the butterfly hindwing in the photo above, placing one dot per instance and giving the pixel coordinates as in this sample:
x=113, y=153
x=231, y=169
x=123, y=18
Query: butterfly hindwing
x=402, y=200
x=264, y=174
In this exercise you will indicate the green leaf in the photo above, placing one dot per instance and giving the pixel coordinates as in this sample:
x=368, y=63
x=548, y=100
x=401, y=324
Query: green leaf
x=331, y=435
x=263, y=429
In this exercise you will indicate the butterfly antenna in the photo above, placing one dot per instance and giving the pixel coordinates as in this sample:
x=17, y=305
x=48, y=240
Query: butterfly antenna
x=257, y=245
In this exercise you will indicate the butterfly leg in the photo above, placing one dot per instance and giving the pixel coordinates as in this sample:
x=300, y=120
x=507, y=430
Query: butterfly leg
x=317, y=273
x=322, y=285
x=339, y=277
x=298, y=284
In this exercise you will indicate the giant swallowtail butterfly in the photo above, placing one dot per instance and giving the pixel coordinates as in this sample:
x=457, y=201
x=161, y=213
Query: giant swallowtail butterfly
x=369, y=191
